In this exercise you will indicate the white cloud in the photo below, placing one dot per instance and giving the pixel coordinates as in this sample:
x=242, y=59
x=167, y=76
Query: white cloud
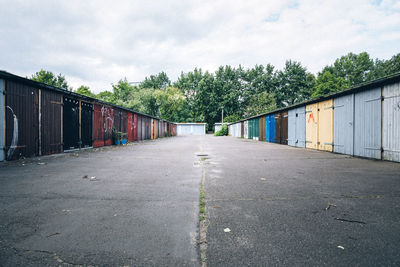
x=96, y=43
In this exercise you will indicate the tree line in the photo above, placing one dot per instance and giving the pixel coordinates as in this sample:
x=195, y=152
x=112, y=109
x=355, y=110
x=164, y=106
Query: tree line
x=199, y=96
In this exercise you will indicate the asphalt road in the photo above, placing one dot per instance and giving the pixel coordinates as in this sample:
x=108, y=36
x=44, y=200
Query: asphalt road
x=284, y=206
x=275, y=200
x=141, y=209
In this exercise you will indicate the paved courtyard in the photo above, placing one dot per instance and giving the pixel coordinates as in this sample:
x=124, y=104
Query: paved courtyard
x=138, y=205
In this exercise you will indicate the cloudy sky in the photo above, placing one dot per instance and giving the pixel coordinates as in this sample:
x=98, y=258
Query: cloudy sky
x=96, y=43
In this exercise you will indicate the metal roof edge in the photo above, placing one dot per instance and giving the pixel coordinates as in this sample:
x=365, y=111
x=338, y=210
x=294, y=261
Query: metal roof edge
x=10, y=76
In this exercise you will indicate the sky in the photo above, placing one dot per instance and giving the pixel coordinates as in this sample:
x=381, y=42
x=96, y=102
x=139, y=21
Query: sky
x=97, y=43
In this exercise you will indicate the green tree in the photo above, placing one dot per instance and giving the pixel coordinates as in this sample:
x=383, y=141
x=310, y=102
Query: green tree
x=261, y=103
x=257, y=80
x=85, y=90
x=353, y=68
x=328, y=83
x=206, y=104
x=294, y=84
x=227, y=91
x=232, y=118
x=172, y=104
x=105, y=96
x=159, y=81
x=49, y=78
x=188, y=84
x=122, y=92
x=393, y=65
x=387, y=67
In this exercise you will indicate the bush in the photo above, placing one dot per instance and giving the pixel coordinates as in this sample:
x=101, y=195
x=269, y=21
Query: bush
x=223, y=131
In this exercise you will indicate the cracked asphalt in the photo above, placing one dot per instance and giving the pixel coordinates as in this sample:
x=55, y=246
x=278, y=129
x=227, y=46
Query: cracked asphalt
x=283, y=205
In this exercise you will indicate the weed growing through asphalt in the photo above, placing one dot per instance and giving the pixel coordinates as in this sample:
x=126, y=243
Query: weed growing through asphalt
x=202, y=204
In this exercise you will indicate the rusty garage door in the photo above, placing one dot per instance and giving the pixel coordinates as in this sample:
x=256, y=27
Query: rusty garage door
x=50, y=122
x=2, y=91
x=22, y=120
x=70, y=123
x=261, y=128
x=86, y=124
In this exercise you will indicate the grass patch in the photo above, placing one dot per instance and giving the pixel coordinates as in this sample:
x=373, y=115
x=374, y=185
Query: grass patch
x=202, y=204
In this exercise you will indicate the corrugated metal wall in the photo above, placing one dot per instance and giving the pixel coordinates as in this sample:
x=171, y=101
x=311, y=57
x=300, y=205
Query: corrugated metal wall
x=140, y=128
x=367, y=123
x=312, y=126
x=130, y=127
x=292, y=127
x=143, y=131
x=147, y=128
x=250, y=130
x=50, y=122
x=22, y=120
x=174, y=131
x=242, y=130
x=301, y=126
x=124, y=121
x=98, y=126
x=117, y=119
x=235, y=129
x=86, y=124
x=246, y=129
x=297, y=127
x=270, y=128
x=319, y=125
x=344, y=124
x=160, y=128
x=281, y=127
x=191, y=129
x=2, y=128
x=71, y=123
x=391, y=122
x=278, y=117
x=156, y=129
x=325, y=127
x=135, y=127
x=261, y=129
x=255, y=129
x=152, y=128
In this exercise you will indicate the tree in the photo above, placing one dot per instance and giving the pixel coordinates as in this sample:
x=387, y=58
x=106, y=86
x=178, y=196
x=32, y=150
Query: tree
x=227, y=90
x=328, y=83
x=105, y=96
x=188, y=84
x=172, y=104
x=257, y=80
x=85, y=90
x=121, y=92
x=393, y=65
x=353, y=68
x=49, y=78
x=387, y=67
x=159, y=81
x=294, y=84
x=232, y=118
x=261, y=103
